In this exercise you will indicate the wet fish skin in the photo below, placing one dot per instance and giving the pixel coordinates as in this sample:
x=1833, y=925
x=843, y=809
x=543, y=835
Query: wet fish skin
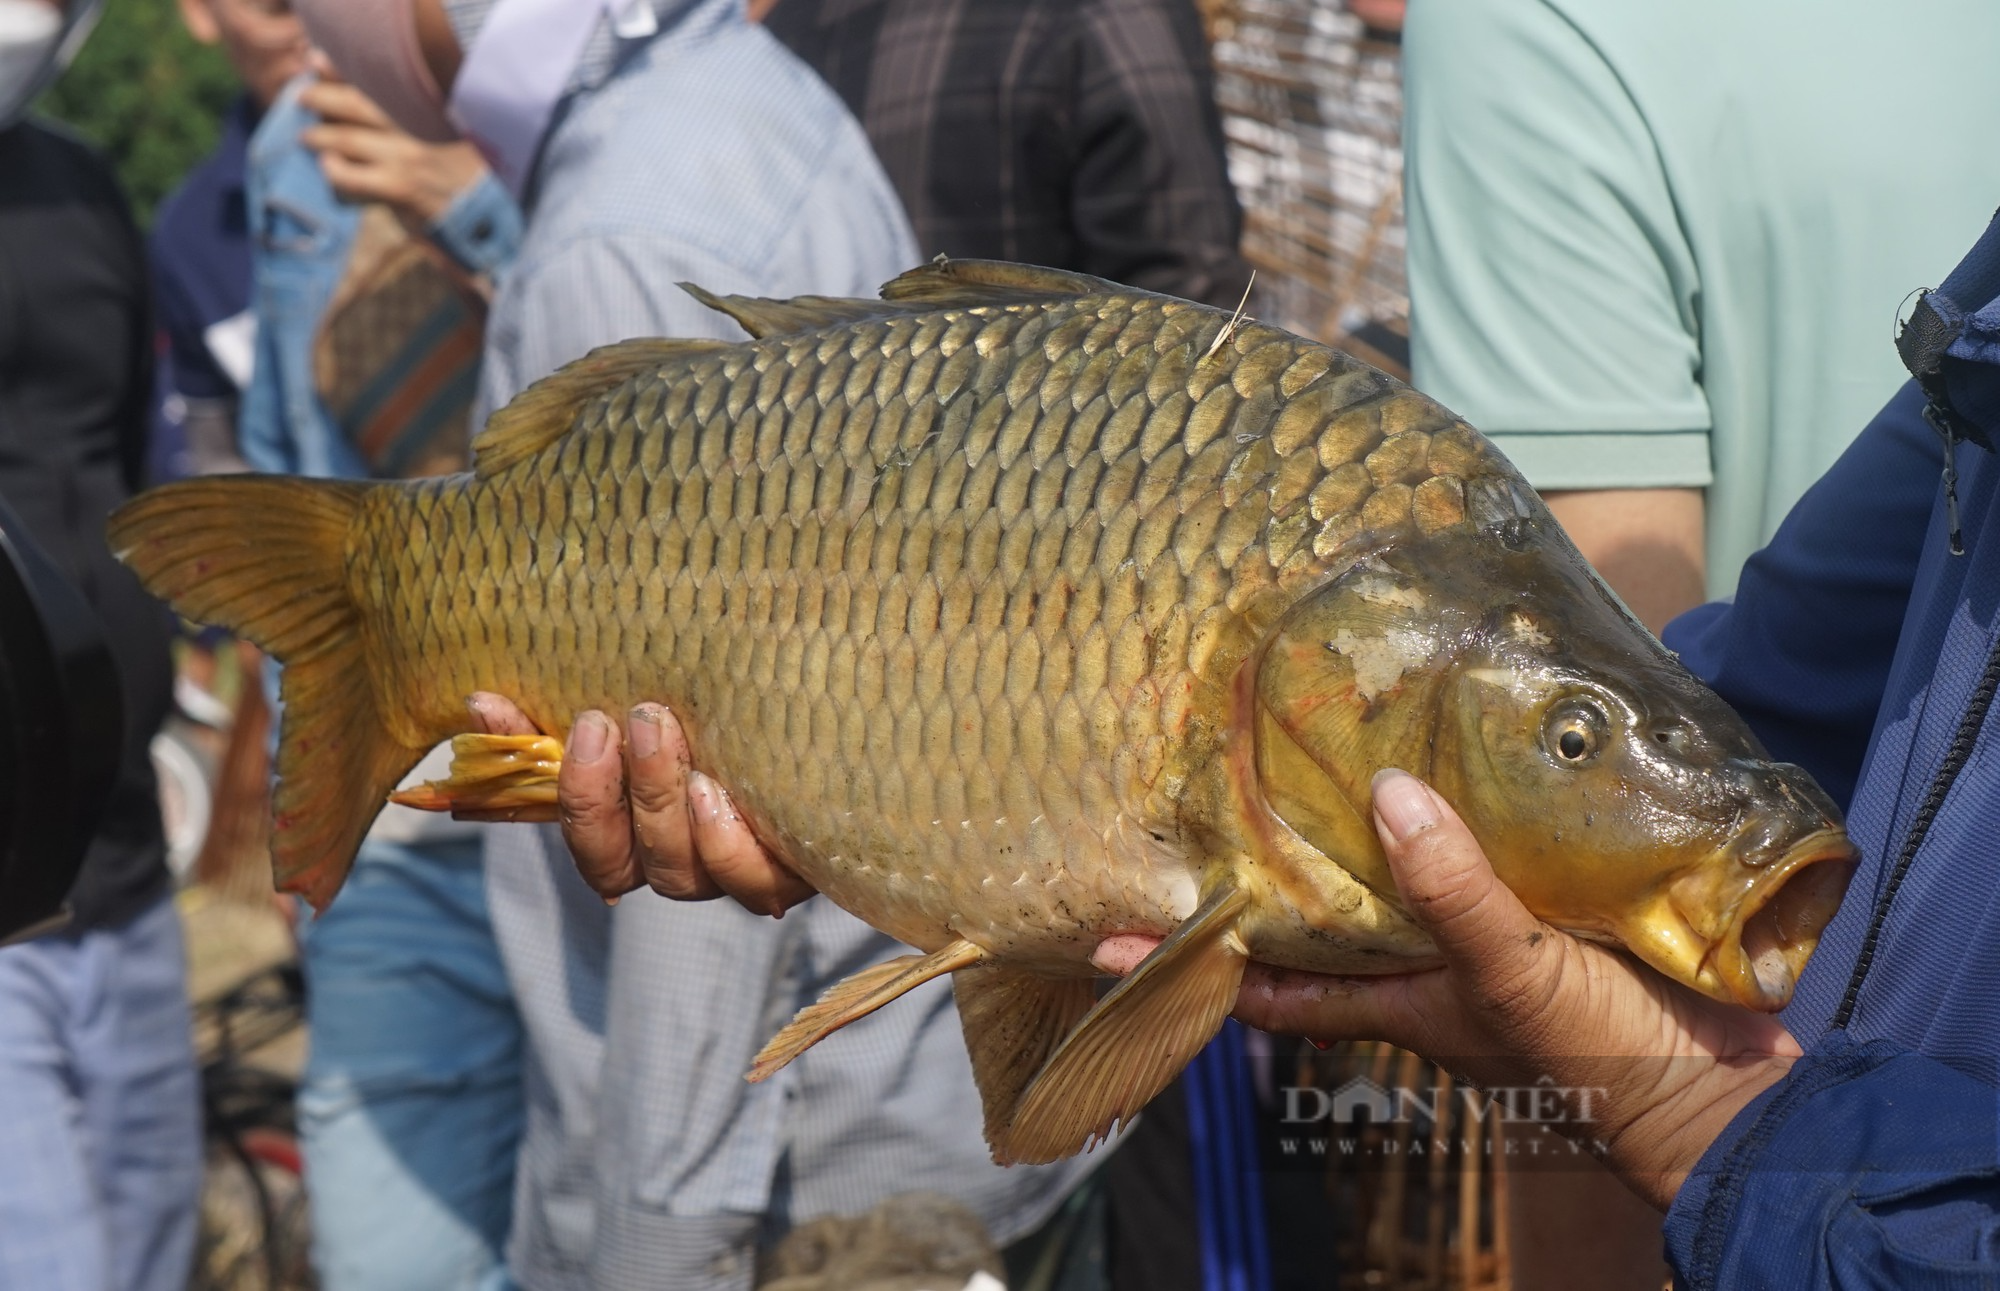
x=1020, y=610
x=984, y=638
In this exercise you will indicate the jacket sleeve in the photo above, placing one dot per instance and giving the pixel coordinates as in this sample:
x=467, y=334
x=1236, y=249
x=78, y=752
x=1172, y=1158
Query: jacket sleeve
x=1869, y=1166
x=481, y=229
x=1805, y=649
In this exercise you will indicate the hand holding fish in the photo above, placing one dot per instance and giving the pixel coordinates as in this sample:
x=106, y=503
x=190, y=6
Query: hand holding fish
x=648, y=818
x=1518, y=1000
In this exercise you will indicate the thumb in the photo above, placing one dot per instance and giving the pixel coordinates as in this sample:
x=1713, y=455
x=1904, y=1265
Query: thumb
x=1481, y=928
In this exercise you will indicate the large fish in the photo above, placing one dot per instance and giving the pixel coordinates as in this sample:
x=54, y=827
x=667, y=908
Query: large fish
x=1020, y=609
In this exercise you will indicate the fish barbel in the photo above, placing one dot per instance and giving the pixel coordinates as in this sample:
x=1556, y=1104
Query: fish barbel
x=1019, y=609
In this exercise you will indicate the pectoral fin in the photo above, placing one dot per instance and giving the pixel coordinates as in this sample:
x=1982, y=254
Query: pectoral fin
x=1136, y=1039
x=494, y=777
x=854, y=998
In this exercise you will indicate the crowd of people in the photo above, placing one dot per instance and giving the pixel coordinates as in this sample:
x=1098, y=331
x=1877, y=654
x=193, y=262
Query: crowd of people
x=1656, y=253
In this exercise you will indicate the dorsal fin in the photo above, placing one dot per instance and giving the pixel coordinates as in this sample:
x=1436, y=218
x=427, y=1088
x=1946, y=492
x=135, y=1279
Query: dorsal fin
x=943, y=283
x=947, y=282
x=546, y=410
x=763, y=316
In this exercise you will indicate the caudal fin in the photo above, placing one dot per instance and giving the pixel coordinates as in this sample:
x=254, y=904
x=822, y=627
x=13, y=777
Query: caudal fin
x=266, y=558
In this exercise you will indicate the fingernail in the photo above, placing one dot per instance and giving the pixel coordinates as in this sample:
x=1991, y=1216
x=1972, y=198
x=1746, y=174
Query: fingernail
x=476, y=704
x=611, y=900
x=645, y=730
x=1403, y=803
x=593, y=732
x=1321, y=1045
x=704, y=798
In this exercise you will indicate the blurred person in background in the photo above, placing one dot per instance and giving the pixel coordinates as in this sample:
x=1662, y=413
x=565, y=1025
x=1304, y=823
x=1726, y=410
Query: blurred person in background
x=1655, y=252
x=100, y=1114
x=1077, y=134
x=374, y=256
x=200, y=246
x=656, y=141
x=1081, y=135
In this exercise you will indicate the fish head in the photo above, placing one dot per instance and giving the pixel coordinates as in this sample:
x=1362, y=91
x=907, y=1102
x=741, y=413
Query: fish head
x=1616, y=795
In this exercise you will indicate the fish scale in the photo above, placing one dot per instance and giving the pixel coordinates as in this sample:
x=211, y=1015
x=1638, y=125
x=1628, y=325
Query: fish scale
x=763, y=561
x=1017, y=610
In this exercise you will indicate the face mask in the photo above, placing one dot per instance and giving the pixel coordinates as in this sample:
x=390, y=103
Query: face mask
x=373, y=43
x=32, y=50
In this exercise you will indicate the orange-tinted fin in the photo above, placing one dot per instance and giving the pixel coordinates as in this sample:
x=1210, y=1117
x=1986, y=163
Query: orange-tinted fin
x=945, y=283
x=1013, y=1020
x=494, y=777
x=855, y=997
x=763, y=316
x=551, y=407
x=266, y=558
x=1136, y=1040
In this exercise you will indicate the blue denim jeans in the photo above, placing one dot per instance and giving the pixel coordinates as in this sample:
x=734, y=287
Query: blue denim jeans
x=100, y=1110
x=410, y=1114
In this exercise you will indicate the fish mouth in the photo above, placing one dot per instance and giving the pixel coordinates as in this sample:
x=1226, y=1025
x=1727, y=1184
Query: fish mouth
x=1750, y=950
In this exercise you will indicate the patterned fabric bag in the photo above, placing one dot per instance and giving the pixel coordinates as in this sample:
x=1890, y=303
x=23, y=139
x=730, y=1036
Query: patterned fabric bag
x=397, y=355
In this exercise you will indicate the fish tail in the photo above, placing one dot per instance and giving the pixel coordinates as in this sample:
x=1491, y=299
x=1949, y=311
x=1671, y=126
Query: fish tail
x=266, y=558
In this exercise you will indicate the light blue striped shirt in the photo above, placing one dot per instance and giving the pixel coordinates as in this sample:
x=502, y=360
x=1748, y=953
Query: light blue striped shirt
x=709, y=154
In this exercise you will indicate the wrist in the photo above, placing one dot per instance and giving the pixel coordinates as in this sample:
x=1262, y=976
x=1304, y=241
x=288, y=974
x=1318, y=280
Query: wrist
x=1672, y=1125
x=480, y=227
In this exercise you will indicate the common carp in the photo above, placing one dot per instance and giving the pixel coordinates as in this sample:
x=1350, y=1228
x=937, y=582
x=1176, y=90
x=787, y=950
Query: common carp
x=1019, y=609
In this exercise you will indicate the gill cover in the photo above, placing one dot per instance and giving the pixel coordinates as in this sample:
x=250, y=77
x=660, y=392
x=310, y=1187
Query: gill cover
x=1348, y=683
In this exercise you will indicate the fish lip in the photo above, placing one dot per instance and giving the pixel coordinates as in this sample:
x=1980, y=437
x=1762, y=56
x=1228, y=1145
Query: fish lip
x=1783, y=914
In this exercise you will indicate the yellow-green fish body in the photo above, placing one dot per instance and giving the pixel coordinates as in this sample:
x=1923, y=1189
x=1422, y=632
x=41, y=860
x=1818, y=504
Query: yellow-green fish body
x=1017, y=610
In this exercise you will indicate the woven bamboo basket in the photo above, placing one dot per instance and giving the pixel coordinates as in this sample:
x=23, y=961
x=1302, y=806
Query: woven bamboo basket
x=1422, y=1190
x=1312, y=106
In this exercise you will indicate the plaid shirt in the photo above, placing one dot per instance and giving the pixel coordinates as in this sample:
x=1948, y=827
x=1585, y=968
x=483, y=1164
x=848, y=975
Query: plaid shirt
x=1079, y=134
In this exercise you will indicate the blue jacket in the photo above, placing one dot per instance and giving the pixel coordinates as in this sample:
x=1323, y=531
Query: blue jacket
x=1860, y=647
x=302, y=233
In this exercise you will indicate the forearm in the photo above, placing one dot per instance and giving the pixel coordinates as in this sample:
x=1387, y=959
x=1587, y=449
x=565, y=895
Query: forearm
x=1656, y=1151
x=1647, y=543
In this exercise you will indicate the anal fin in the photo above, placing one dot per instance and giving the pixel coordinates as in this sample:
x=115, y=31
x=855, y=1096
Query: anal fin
x=1013, y=1021
x=1135, y=1040
x=494, y=777
x=854, y=998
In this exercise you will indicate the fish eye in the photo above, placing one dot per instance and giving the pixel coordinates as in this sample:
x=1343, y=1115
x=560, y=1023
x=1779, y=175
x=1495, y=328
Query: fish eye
x=1575, y=731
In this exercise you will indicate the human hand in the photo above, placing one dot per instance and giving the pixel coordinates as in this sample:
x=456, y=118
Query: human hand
x=368, y=158
x=1517, y=1001
x=648, y=818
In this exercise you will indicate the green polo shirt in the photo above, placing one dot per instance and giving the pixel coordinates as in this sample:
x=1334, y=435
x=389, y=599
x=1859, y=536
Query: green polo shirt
x=1664, y=244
